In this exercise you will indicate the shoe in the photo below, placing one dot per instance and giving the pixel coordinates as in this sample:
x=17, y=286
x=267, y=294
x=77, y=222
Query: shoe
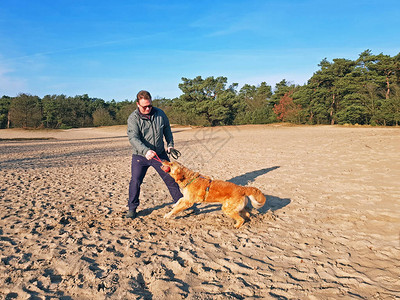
x=131, y=214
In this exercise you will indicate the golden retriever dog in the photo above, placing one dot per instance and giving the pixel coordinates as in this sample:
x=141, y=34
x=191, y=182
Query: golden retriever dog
x=197, y=189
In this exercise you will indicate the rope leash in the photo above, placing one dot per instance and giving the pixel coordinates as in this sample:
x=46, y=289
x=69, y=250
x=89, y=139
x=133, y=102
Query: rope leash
x=157, y=158
x=174, y=153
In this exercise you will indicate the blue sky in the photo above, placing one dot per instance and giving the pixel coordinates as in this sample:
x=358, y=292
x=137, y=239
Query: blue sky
x=113, y=49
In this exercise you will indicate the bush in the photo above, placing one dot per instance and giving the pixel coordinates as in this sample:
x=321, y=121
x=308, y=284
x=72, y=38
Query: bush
x=102, y=117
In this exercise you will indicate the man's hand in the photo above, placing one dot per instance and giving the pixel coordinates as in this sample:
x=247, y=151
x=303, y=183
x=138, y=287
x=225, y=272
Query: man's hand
x=150, y=154
x=174, y=153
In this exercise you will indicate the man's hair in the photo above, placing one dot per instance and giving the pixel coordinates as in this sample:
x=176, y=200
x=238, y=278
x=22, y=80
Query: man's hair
x=143, y=95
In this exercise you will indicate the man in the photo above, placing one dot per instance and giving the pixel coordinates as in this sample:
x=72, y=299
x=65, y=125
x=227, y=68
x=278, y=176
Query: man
x=147, y=128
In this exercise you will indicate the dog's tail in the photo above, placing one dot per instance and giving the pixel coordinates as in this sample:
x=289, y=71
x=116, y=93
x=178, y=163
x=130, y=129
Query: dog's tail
x=256, y=197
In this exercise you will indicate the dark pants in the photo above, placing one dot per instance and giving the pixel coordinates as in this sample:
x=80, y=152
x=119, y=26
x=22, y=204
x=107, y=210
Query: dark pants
x=139, y=168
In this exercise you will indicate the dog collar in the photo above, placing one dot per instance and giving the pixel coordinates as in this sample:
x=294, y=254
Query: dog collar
x=191, y=181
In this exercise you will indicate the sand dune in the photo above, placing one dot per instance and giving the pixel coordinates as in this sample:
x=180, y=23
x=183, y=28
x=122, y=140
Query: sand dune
x=330, y=227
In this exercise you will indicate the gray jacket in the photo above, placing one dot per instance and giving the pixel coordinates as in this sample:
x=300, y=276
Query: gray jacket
x=146, y=132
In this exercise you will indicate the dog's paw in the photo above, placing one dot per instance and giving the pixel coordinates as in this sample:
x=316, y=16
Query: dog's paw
x=239, y=224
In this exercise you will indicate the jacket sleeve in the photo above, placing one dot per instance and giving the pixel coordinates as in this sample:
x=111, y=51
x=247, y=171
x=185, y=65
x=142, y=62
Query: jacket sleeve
x=134, y=136
x=168, y=132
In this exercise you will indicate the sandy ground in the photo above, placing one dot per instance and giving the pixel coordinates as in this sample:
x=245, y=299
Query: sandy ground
x=330, y=227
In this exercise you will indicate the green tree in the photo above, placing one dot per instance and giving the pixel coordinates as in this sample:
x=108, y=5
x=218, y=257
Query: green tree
x=124, y=109
x=25, y=111
x=354, y=111
x=5, y=103
x=385, y=68
x=391, y=107
x=206, y=102
x=328, y=86
x=82, y=107
x=52, y=113
x=68, y=115
x=309, y=113
x=253, y=106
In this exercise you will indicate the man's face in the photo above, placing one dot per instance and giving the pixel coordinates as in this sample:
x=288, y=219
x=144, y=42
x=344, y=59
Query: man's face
x=145, y=106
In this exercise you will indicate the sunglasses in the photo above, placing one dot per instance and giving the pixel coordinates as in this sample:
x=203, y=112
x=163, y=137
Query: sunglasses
x=146, y=107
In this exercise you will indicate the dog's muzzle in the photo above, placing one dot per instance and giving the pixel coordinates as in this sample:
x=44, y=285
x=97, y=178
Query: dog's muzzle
x=166, y=169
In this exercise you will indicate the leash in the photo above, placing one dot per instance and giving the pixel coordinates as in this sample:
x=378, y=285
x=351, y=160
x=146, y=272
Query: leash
x=174, y=153
x=157, y=158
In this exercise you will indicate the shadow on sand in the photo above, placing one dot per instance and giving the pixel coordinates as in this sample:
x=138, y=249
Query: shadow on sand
x=249, y=177
x=272, y=203
x=147, y=211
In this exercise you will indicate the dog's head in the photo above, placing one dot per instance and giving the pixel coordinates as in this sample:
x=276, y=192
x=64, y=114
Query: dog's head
x=175, y=169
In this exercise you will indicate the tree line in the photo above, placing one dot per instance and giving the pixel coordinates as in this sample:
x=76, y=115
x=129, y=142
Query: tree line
x=363, y=91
